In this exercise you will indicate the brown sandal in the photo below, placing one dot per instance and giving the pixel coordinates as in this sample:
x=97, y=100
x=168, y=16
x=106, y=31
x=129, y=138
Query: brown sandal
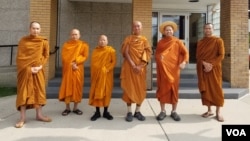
x=66, y=112
x=45, y=119
x=207, y=114
x=78, y=112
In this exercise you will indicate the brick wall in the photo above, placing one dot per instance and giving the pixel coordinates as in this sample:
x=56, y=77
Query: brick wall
x=234, y=25
x=142, y=11
x=45, y=12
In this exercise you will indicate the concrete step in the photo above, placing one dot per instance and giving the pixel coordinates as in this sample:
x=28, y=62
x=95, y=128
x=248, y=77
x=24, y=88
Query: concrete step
x=56, y=82
x=8, y=69
x=191, y=83
x=184, y=93
x=184, y=82
x=58, y=72
x=188, y=86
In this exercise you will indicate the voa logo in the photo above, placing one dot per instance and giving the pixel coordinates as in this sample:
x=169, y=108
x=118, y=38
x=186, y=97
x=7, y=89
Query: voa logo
x=236, y=132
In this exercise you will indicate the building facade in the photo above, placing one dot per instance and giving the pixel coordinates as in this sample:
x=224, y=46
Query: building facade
x=114, y=18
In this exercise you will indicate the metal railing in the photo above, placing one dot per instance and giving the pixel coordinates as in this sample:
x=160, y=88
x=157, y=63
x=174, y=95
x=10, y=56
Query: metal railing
x=12, y=46
x=11, y=52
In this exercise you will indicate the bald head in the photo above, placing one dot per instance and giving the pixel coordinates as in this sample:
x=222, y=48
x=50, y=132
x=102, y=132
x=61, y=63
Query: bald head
x=75, y=34
x=137, y=27
x=35, y=28
x=103, y=41
x=137, y=23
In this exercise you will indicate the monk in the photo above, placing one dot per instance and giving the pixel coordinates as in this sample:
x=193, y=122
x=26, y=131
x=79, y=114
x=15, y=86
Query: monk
x=171, y=56
x=136, y=52
x=103, y=61
x=209, y=54
x=74, y=54
x=32, y=55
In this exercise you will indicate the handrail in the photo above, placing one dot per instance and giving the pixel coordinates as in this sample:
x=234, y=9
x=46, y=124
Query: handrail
x=53, y=52
x=12, y=46
x=11, y=52
x=8, y=45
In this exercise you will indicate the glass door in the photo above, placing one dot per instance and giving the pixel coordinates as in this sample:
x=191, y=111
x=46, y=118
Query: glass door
x=197, y=21
x=182, y=33
x=180, y=21
x=190, y=30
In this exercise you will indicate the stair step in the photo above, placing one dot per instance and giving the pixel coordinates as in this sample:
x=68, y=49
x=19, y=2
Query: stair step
x=7, y=69
x=187, y=90
x=56, y=82
x=188, y=82
x=184, y=93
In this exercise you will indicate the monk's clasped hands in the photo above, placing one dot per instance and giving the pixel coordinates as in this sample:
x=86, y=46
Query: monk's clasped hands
x=74, y=66
x=207, y=66
x=36, y=69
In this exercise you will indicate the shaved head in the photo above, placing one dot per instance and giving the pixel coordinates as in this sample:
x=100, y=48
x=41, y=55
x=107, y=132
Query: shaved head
x=75, y=34
x=103, y=41
x=137, y=27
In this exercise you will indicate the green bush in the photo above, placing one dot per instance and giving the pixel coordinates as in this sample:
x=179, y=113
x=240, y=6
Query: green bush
x=7, y=91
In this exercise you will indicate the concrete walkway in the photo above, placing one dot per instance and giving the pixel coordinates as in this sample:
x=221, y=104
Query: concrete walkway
x=192, y=126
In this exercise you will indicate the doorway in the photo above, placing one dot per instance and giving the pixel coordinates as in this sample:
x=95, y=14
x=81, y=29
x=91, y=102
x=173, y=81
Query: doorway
x=190, y=30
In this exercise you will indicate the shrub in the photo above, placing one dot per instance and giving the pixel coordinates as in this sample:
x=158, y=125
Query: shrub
x=7, y=91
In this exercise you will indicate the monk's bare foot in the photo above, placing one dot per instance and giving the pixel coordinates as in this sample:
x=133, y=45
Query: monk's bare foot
x=20, y=124
x=44, y=119
x=219, y=118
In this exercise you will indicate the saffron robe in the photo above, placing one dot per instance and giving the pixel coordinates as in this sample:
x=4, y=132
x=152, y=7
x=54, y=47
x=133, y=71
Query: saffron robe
x=103, y=61
x=71, y=88
x=211, y=50
x=170, y=53
x=32, y=52
x=134, y=84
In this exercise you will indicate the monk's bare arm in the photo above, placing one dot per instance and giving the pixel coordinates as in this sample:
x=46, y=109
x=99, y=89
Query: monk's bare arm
x=185, y=54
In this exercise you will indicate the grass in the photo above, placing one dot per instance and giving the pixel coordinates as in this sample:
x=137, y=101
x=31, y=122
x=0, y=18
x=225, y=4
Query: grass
x=7, y=91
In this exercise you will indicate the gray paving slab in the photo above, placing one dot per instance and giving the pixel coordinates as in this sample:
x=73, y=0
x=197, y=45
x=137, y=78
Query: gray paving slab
x=192, y=127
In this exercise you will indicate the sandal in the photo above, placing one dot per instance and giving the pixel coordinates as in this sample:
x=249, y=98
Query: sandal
x=139, y=116
x=207, y=114
x=20, y=124
x=175, y=116
x=78, y=112
x=66, y=112
x=45, y=119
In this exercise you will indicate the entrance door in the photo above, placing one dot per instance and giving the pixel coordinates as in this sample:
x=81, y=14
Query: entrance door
x=182, y=33
x=181, y=21
x=190, y=30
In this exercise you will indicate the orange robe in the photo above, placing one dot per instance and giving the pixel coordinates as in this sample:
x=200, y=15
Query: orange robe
x=73, y=80
x=133, y=84
x=170, y=53
x=103, y=61
x=211, y=50
x=32, y=52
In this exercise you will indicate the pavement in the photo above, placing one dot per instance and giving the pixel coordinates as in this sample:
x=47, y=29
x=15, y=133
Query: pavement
x=192, y=126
